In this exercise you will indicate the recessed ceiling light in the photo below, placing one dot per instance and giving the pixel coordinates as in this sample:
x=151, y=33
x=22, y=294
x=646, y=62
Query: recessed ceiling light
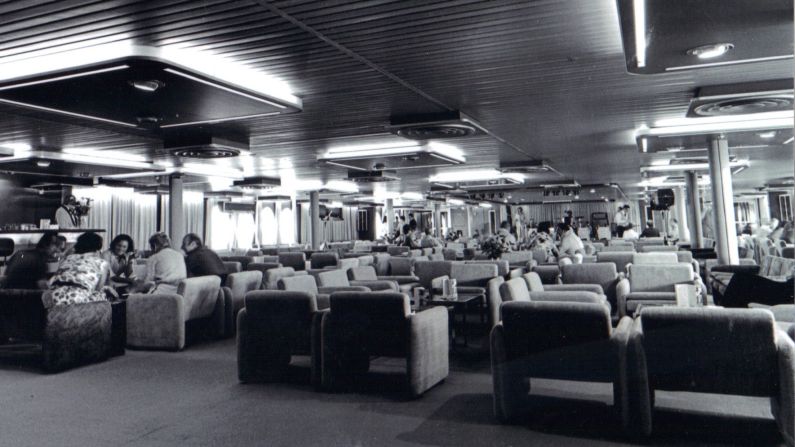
x=43, y=163
x=710, y=51
x=147, y=86
x=767, y=134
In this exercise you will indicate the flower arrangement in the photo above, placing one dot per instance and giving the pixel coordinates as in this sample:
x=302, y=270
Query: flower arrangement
x=495, y=246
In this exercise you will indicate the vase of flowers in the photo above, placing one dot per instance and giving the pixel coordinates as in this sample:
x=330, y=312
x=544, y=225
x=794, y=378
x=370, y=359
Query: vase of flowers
x=495, y=246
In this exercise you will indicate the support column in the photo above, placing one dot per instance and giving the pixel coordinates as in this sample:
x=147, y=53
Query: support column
x=694, y=210
x=176, y=215
x=389, y=212
x=723, y=200
x=681, y=213
x=315, y=228
x=763, y=206
x=469, y=220
x=437, y=219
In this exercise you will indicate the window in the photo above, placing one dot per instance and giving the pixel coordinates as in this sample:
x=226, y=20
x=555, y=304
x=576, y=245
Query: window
x=785, y=202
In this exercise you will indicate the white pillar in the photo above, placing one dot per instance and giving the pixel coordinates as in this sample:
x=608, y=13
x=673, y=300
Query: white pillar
x=723, y=201
x=176, y=216
x=763, y=204
x=693, y=206
x=681, y=214
x=390, y=217
x=315, y=228
x=437, y=219
x=469, y=220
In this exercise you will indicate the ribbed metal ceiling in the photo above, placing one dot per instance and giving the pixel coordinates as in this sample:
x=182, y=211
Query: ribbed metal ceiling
x=546, y=78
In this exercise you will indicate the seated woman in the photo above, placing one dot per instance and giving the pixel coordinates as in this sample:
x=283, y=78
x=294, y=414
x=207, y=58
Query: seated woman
x=81, y=276
x=120, y=256
x=164, y=269
x=544, y=240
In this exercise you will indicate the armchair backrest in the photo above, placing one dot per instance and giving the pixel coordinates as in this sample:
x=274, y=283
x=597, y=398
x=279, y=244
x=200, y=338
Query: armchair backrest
x=401, y=266
x=710, y=350
x=243, y=282
x=296, y=260
x=533, y=282
x=684, y=256
x=300, y=283
x=617, y=248
x=518, y=257
x=514, y=290
x=449, y=254
x=653, y=248
x=379, y=319
x=426, y=271
x=776, y=266
x=436, y=257
x=604, y=274
x=320, y=260
x=263, y=267
x=346, y=264
x=659, y=277
x=243, y=260
x=396, y=250
x=366, y=260
x=200, y=294
x=655, y=258
x=620, y=259
x=364, y=273
x=273, y=276
x=560, y=327
x=333, y=278
x=381, y=263
x=474, y=275
x=233, y=266
x=288, y=314
x=503, y=266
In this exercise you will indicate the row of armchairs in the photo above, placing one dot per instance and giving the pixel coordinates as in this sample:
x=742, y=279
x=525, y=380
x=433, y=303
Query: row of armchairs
x=707, y=350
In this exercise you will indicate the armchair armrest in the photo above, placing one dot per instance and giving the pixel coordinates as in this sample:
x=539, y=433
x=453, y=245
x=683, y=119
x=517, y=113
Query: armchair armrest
x=752, y=269
x=622, y=290
x=406, y=279
x=782, y=404
x=156, y=321
x=619, y=339
x=74, y=334
x=330, y=290
x=376, y=285
x=429, y=347
x=471, y=290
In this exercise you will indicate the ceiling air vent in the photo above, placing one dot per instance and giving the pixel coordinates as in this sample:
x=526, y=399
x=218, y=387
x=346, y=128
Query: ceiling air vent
x=525, y=167
x=258, y=182
x=742, y=99
x=371, y=176
x=435, y=126
x=205, y=146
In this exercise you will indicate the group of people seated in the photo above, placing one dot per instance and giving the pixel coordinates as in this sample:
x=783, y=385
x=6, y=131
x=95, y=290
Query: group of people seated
x=86, y=273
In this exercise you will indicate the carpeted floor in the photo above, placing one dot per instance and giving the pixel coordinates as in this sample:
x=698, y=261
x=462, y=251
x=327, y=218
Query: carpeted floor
x=193, y=398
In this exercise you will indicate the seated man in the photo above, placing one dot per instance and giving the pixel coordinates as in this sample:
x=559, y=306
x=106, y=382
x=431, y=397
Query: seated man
x=27, y=269
x=650, y=231
x=629, y=233
x=200, y=260
x=428, y=241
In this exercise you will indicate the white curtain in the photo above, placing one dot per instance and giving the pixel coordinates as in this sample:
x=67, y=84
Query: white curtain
x=333, y=230
x=192, y=210
x=120, y=210
x=230, y=230
x=553, y=212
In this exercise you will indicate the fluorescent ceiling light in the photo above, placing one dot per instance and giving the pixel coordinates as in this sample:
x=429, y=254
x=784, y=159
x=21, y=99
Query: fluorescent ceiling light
x=224, y=88
x=412, y=196
x=17, y=147
x=639, y=12
x=64, y=112
x=342, y=186
x=220, y=120
x=392, y=149
x=455, y=202
x=60, y=78
x=689, y=166
x=710, y=51
x=679, y=121
x=735, y=62
x=698, y=128
x=476, y=175
x=208, y=170
x=112, y=154
x=334, y=204
x=789, y=140
x=484, y=205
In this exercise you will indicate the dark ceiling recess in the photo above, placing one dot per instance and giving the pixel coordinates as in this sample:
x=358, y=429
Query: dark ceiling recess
x=759, y=30
x=433, y=126
x=202, y=145
x=258, y=182
x=742, y=99
x=372, y=176
x=142, y=90
x=524, y=167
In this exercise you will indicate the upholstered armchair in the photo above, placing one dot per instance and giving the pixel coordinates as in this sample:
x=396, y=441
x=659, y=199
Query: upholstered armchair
x=263, y=267
x=367, y=273
x=308, y=284
x=494, y=300
x=362, y=325
x=322, y=260
x=653, y=285
x=621, y=259
x=232, y=267
x=604, y=275
x=554, y=340
x=517, y=290
x=709, y=350
x=69, y=336
x=658, y=248
x=272, y=276
x=236, y=288
x=339, y=278
x=381, y=263
x=157, y=321
x=273, y=326
x=243, y=260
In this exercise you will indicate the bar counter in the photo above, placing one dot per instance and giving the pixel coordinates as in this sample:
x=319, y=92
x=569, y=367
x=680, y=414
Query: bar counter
x=24, y=239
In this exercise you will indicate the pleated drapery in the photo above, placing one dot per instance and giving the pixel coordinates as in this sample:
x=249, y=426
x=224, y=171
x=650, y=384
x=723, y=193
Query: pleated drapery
x=333, y=230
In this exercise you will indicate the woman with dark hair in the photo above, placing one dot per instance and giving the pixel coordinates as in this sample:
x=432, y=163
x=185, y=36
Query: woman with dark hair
x=121, y=258
x=81, y=276
x=545, y=241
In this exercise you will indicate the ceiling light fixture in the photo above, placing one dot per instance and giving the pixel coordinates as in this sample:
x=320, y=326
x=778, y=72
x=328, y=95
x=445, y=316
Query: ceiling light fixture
x=224, y=88
x=342, y=186
x=147, y=86
x=767, y=134
x=789, y=140
x=484, y=205
x=689, y=166
x=736, y=62
x=455, y=202
x=711, y=51
x=483, y=174
x=64, y=112
x=43, y=163
x=61, y=78
x=697, y=127
x=639, y=12
x=363, y=157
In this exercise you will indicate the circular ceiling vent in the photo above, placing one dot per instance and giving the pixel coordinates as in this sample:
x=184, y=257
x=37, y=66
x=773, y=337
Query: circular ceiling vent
x=433, y=131
x=205, y=152
x=744, y=106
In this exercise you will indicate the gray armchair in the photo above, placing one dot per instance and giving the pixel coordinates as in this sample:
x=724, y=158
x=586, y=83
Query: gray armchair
x=339, y=278
x=517, y=290
x=367, y=273
x=710, y=350
x=654, y=285
x=157, y=321
x=361, y=325
x=272, y=276
x=273, y=326
x=605, y=275
x=555, y=340
x=308, y=284
x=237, y=286
x=296, y=260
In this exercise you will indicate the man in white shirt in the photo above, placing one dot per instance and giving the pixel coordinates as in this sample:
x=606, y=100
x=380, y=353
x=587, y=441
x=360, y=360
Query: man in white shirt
x=570, y=243
x=621, y=219
x=65, y=215
x=630, y=234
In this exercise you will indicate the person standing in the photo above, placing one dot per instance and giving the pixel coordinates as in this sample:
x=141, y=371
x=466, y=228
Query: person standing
x=200, y=260
x=621, y=219
x=66, y=215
